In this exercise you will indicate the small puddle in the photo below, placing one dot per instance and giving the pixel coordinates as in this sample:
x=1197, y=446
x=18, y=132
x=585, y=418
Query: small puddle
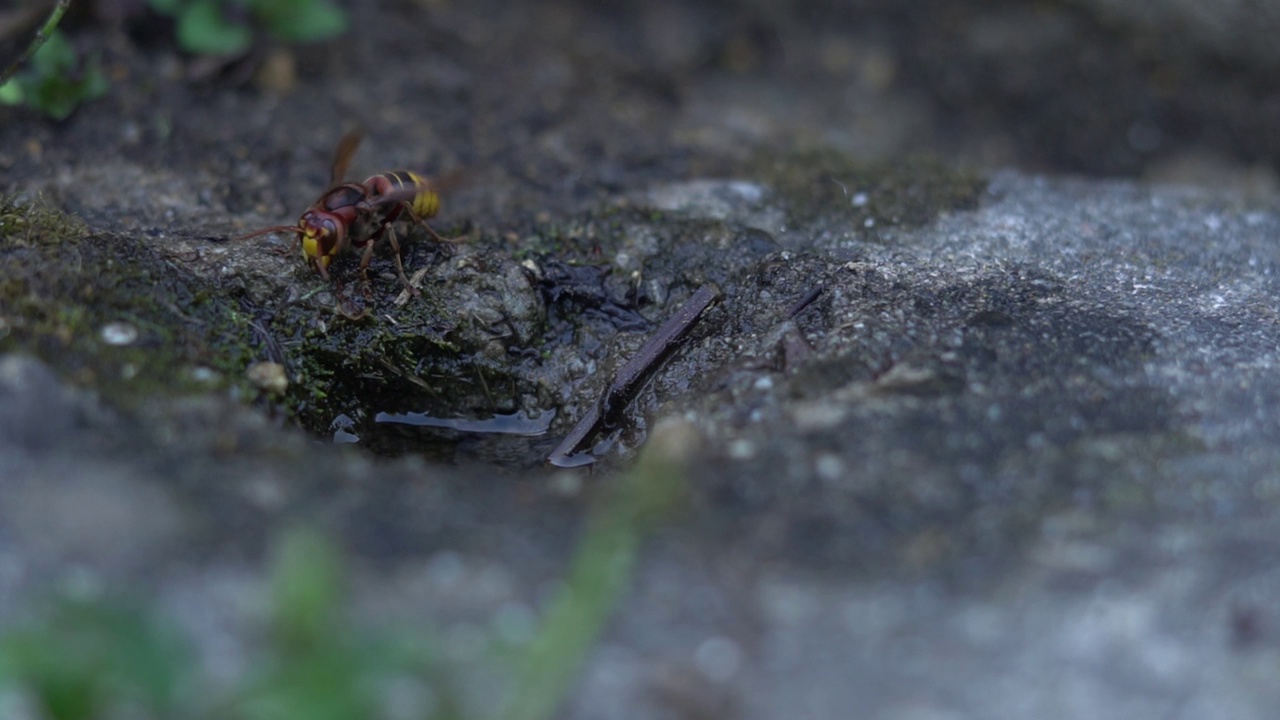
x=514, y=424
x=514, y=440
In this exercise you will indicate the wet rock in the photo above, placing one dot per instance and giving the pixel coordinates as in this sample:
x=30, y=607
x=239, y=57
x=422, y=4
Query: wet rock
x=1041, y=429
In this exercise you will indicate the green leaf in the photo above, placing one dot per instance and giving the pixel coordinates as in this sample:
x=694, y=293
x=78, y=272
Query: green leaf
x=55, y=56
x=11, y=93
x=52, y=97
x=58, y=94
x=203, y=30
x=301, y=20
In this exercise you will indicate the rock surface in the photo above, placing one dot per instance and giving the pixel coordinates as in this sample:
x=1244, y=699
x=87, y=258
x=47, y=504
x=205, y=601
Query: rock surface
x=958, y=444
x=1023, y=464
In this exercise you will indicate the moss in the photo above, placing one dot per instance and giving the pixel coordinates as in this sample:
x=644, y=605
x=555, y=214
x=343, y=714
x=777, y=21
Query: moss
x=818, y=185
x=110, y=313
x=107, y=312
x=359, y=367
x=35, y=223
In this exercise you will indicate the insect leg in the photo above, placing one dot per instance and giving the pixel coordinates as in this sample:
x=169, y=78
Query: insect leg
x=365, y=257
x=387, y=228
x=395, y=253
x=435, y=235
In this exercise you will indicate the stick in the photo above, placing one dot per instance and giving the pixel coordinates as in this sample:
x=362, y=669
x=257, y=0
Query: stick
x=607, y=412
x=38, y=41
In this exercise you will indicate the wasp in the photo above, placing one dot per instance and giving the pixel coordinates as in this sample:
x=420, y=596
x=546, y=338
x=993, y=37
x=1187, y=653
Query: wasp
x=358, y=215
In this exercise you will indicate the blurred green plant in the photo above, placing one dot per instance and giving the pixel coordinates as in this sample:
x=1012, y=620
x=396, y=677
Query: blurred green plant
x=601, y=570
x=41, y=35
x=55, y=82
x=316, y=665
x=88, y=654
x=92, y=658
x=226, y=27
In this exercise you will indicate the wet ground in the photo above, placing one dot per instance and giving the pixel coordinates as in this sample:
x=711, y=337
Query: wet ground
x=960, y=440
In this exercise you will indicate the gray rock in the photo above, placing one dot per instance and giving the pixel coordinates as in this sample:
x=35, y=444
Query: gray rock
x=1240, y=29
x=1029, y=467
x=1017, y=462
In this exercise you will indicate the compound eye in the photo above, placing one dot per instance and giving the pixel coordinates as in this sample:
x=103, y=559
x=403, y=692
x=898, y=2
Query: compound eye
x=328, y=237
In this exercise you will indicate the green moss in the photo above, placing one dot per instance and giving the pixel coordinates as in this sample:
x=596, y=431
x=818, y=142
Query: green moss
x=817, y=185
x=339, y=365
x=35, y=223
x=108, y=312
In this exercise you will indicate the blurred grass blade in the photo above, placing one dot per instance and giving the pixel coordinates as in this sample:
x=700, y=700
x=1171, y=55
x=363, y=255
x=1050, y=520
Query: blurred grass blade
x=601, y=570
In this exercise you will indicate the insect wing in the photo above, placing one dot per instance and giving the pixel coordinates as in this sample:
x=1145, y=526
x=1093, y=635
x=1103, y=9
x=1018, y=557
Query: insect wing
x=342, y=155
x=400, y=194
x=447, y=182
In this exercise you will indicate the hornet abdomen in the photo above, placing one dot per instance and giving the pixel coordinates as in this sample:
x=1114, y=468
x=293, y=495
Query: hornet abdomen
x=425, y=204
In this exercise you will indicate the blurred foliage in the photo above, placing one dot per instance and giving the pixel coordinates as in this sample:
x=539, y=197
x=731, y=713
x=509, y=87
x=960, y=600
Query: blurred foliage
x=86, y=655
x=56, y=81
x=91, y=658
x=317, y=666
x=603, y=564
x=226, y=27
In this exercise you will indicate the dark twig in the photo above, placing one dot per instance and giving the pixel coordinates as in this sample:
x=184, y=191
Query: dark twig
x=41, y=35
x=805, y=301
x=607, y=412
x=566, y=453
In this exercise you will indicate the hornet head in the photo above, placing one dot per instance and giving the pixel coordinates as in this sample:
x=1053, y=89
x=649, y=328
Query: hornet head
x=322, y=239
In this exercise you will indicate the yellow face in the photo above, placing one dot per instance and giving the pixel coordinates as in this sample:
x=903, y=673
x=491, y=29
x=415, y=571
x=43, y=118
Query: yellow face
x=311, y=238
x=319, y=242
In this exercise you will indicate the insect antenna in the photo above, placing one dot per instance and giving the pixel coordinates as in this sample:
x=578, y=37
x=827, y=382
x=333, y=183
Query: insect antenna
x=266, y=230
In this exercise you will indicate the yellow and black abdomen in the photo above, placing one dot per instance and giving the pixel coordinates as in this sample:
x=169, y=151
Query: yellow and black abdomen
x=426, y=203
